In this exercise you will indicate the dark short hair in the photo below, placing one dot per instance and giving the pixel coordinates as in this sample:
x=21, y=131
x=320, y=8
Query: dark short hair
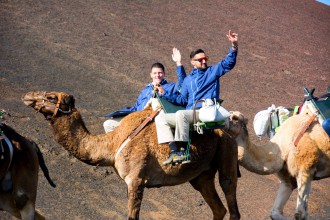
x=158, y=65
x=194, y=52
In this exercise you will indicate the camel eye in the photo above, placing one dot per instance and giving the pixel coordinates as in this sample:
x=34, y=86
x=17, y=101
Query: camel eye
x=52, y=99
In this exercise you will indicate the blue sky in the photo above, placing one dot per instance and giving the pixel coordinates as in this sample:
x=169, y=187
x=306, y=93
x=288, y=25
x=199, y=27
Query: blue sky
x=327, y=2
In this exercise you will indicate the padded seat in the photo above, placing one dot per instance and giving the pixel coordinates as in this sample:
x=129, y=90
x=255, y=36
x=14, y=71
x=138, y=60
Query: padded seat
x=323, y=106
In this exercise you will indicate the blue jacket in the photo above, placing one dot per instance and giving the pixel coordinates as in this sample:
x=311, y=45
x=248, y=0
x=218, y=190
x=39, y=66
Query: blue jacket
x=171, y=91
x=203, y=84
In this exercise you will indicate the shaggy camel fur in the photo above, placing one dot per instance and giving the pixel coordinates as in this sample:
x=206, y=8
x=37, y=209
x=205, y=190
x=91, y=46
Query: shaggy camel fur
x=19, y=178
x=139, y=163
x=295, y=166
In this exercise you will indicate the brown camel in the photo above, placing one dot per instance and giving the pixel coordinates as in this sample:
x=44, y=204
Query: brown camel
x=19, y=174
x=295, y=166
x=139, y=163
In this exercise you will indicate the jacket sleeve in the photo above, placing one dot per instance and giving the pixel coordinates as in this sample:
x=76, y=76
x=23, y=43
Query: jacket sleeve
x=182, y=97
x=171, y=90
x=181, y=73
x=226, y=64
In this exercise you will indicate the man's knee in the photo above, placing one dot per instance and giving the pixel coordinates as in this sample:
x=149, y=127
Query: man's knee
x=182, y=116
x=110, y=125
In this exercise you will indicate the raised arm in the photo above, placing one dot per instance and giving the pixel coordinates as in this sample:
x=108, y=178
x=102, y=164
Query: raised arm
x=233, y=38
x=176, y=56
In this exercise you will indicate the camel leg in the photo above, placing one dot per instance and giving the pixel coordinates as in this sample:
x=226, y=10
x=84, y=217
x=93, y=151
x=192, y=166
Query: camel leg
x=204, y=183
x=25, y=183
x=304, y=182
x=135, y=191
x=227, y=164
x=7, y=204
x=287, y=185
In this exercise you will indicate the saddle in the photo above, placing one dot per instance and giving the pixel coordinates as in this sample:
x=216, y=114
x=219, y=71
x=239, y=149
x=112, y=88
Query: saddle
x=198, y=126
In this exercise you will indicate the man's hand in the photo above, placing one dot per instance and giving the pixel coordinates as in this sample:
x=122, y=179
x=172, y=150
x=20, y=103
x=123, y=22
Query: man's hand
x=233, y=38
x=159, y=88
x=176, y=56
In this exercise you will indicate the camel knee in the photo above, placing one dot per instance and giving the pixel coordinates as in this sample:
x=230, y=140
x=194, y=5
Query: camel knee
x=225, y=184
x=20, y=200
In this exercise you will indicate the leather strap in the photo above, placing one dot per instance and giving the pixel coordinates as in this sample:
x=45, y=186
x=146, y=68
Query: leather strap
x=137, y=130
x=303, y=129
x=59, y=98
x=144, y=123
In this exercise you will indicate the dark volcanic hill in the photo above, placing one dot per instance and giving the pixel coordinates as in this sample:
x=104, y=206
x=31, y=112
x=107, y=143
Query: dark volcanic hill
x=101, y=52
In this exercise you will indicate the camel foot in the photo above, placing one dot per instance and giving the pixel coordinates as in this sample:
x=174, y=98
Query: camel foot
x=277, y=216
x=299, y=216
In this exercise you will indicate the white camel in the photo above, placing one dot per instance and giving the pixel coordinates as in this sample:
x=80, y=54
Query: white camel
x=295, y=166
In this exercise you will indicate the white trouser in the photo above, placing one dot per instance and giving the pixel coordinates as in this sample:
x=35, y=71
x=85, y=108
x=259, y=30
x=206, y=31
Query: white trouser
x=110, y=124
x=181, y=121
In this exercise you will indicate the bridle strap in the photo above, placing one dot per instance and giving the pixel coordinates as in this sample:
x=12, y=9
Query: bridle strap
x=59, y=98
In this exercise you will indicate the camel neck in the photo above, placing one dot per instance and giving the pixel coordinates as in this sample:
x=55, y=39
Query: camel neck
x=70, y=132
x=262, y=159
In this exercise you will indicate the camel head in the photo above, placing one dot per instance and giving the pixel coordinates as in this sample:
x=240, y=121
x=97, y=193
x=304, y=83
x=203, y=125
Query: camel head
x=50, y=104
x=237, y=124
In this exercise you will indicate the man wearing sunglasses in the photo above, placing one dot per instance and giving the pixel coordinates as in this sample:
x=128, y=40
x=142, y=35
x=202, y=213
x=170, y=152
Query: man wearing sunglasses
x=166, y=90
x=202, y=83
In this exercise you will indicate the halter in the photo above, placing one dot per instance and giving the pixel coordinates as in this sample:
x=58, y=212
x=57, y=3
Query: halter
x=57, y=107
x=243, y=126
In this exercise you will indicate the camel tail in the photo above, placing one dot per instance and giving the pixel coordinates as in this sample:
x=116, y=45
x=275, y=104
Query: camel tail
x=43, y=166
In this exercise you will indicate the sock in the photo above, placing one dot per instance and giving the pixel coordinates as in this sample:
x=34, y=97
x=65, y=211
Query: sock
x=183, y=145
x=173, y=147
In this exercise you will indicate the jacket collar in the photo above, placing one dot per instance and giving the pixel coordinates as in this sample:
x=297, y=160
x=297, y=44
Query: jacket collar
x=197, y=71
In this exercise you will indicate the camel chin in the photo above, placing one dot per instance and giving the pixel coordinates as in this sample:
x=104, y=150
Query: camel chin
x=139, y=160
x=295, y=166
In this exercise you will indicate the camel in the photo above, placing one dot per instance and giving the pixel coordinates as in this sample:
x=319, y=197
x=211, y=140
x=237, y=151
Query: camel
x=295, y=166
x=139, y=162
x=19, y=175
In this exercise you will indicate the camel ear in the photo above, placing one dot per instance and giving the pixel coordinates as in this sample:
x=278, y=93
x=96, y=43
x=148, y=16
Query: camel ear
x=72, y=101
x=69, y=100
